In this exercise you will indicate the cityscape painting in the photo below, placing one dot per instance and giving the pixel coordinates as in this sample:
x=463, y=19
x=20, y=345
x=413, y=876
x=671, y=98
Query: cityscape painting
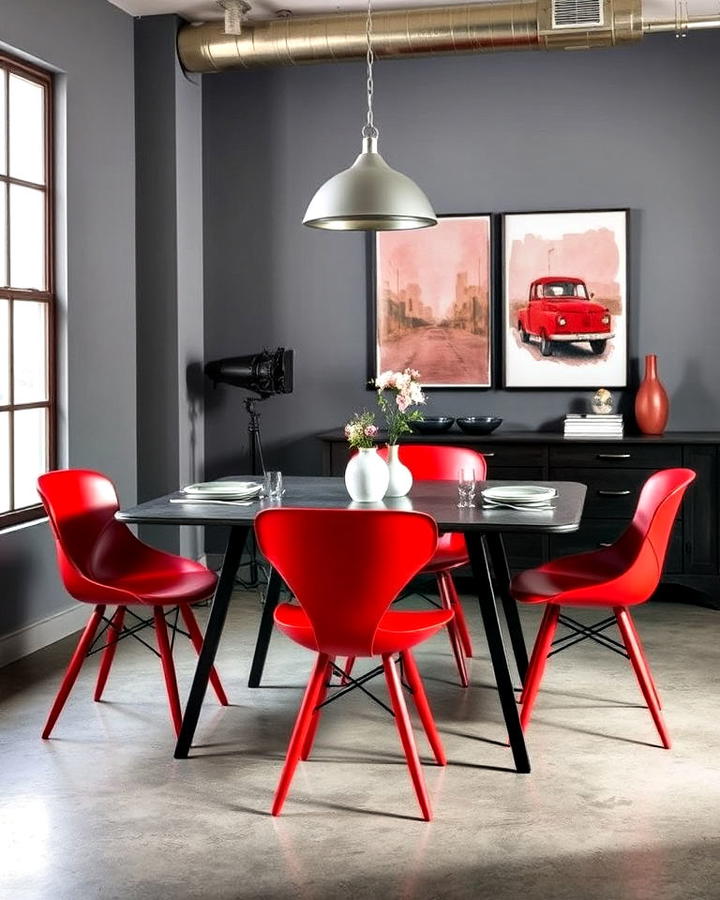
x=432, y=297
x=565, y=299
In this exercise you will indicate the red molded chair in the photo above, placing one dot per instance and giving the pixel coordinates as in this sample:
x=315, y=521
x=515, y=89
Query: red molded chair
x=368, y=556
x=102, y=563
x=429, y=462
x=620, y=576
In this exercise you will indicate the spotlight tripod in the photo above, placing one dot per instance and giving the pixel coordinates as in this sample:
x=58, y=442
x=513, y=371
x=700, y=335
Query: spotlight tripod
x=257, y=573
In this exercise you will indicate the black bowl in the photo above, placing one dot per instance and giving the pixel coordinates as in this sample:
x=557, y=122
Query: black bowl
x=433, y=425
x=479, y=424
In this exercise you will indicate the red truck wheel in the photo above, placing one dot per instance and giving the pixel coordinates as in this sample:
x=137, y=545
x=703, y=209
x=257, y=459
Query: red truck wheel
x=545, y=345
x=598, y=347
x=524, y=336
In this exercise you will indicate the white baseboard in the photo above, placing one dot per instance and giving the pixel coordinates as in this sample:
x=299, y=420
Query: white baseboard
x=34, y=637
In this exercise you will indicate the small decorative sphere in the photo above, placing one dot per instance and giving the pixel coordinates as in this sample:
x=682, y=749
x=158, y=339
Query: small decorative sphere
x=602, y=402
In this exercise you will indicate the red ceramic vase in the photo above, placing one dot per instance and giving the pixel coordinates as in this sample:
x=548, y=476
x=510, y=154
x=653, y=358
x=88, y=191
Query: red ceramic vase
x=651, y=402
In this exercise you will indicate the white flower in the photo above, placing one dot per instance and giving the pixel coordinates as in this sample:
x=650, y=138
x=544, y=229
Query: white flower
x=385, y=380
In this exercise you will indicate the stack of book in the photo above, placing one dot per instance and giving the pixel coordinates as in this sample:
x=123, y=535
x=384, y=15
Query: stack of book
x=593, y=425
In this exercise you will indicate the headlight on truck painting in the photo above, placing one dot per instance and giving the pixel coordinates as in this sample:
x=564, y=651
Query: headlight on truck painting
x=606, y=319
x=561, y=320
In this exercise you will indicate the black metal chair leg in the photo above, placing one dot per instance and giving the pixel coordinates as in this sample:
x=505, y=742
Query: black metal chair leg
x=216, y=623
x=265, y=631
x=501, y=571
x=481, y=568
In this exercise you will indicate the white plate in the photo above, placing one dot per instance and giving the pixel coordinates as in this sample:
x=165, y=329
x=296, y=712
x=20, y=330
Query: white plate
x=520, y=493
x=223, y=489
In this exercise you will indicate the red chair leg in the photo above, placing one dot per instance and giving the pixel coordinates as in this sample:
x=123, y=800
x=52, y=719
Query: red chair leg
x=642, y=673
x=299, y=732
x=349, y=663
x=111, y=641
x=197, y=641
x=402, y=720
x=460, y=619
x=423, y=707
x=316, y=713
x=536, y=670
x=643, y=656
x=532, y=665
x=452, y=630
x=168, y=665
x=73, y=669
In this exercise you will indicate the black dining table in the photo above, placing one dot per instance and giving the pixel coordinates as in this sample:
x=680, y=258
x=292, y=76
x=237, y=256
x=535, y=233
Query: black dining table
x=483, y=530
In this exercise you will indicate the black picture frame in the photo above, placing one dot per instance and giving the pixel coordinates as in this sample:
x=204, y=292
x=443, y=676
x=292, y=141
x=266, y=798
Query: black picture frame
x=501, y=351
x=371, y=248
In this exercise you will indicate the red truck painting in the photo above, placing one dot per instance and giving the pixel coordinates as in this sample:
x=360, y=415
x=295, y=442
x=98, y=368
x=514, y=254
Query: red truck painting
x=561, y=310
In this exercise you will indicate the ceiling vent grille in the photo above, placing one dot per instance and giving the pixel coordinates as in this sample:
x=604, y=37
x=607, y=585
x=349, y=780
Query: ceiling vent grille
x=574, y=13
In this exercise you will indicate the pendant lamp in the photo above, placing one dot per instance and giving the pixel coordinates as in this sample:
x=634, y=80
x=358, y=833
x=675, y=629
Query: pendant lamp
x=369, y=196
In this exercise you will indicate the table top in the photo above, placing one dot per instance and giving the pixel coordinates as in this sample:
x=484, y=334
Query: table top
x=437, y=498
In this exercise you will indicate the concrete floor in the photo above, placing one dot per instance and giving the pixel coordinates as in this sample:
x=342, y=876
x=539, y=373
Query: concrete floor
x=103, y=810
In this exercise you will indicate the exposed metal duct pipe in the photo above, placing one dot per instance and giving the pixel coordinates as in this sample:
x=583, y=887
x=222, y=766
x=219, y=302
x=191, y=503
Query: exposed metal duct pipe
x=428, y=31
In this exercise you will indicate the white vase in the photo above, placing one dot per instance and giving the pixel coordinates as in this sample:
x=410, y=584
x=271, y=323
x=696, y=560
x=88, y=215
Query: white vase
x=366, y=476
x=400, y=476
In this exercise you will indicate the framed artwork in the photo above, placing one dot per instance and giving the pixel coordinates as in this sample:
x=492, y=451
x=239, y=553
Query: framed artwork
x=565, y=304
x=431, y=300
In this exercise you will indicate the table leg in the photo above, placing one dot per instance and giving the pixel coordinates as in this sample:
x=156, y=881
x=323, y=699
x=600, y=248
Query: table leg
x=216, y=623
x=267, y=623
x=480, y=563
x=501, y=570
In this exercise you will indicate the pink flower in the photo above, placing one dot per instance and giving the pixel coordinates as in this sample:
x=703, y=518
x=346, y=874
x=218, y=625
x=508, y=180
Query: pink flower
x=403, y=401
x=370, y=430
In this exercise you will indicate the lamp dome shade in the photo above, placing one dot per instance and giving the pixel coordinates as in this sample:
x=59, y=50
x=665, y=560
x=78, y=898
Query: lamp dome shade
x=369, y=196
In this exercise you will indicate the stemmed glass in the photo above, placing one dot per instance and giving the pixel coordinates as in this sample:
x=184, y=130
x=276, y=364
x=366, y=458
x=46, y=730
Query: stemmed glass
x=466, y=488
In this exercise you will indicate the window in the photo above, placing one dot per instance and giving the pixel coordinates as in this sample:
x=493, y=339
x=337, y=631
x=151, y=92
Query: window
x=27, y=300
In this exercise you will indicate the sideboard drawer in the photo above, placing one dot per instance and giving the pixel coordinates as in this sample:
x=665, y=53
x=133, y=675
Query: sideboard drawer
x=597, y=533
x=611, y=493
x=514, y=473
x=511, y=455
x=616, y=456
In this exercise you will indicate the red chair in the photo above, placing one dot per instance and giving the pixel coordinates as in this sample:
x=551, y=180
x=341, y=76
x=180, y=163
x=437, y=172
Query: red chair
x=620, y=576
x=368, y=556
x=429, y=462
x=102, y=563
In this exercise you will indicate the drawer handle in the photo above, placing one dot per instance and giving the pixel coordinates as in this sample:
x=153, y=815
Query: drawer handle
x=613, y=455
x=614, y=493
x=487, y=455
x=605, y=544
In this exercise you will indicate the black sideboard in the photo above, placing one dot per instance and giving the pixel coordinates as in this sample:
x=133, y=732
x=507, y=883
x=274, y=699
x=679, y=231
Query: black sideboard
x=614, y=471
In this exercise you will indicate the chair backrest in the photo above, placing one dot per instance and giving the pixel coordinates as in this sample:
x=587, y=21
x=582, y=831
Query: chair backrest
x=433, y=462
x=91, y=545
x=345, y=566
x=642, y=547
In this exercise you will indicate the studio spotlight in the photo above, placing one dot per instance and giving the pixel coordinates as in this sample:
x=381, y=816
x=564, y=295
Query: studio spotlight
x=266, y=373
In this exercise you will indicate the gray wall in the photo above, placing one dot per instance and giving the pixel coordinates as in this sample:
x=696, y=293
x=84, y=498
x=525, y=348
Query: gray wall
x=636, y=127
x=168, y=144
x=91, y=44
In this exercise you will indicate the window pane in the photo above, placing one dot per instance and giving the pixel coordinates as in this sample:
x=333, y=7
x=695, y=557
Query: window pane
x=30, y=454
x=4, y=352
x=30, y=349
x=27, y=237
x=27, y=130
x=3, y=154
x=3, y=235
x=4, y=462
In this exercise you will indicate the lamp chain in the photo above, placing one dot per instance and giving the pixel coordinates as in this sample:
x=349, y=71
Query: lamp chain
x=370, y=130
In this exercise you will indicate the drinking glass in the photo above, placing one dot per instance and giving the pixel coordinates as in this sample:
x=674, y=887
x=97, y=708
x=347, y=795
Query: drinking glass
x=466, y=488
x=273, y=485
